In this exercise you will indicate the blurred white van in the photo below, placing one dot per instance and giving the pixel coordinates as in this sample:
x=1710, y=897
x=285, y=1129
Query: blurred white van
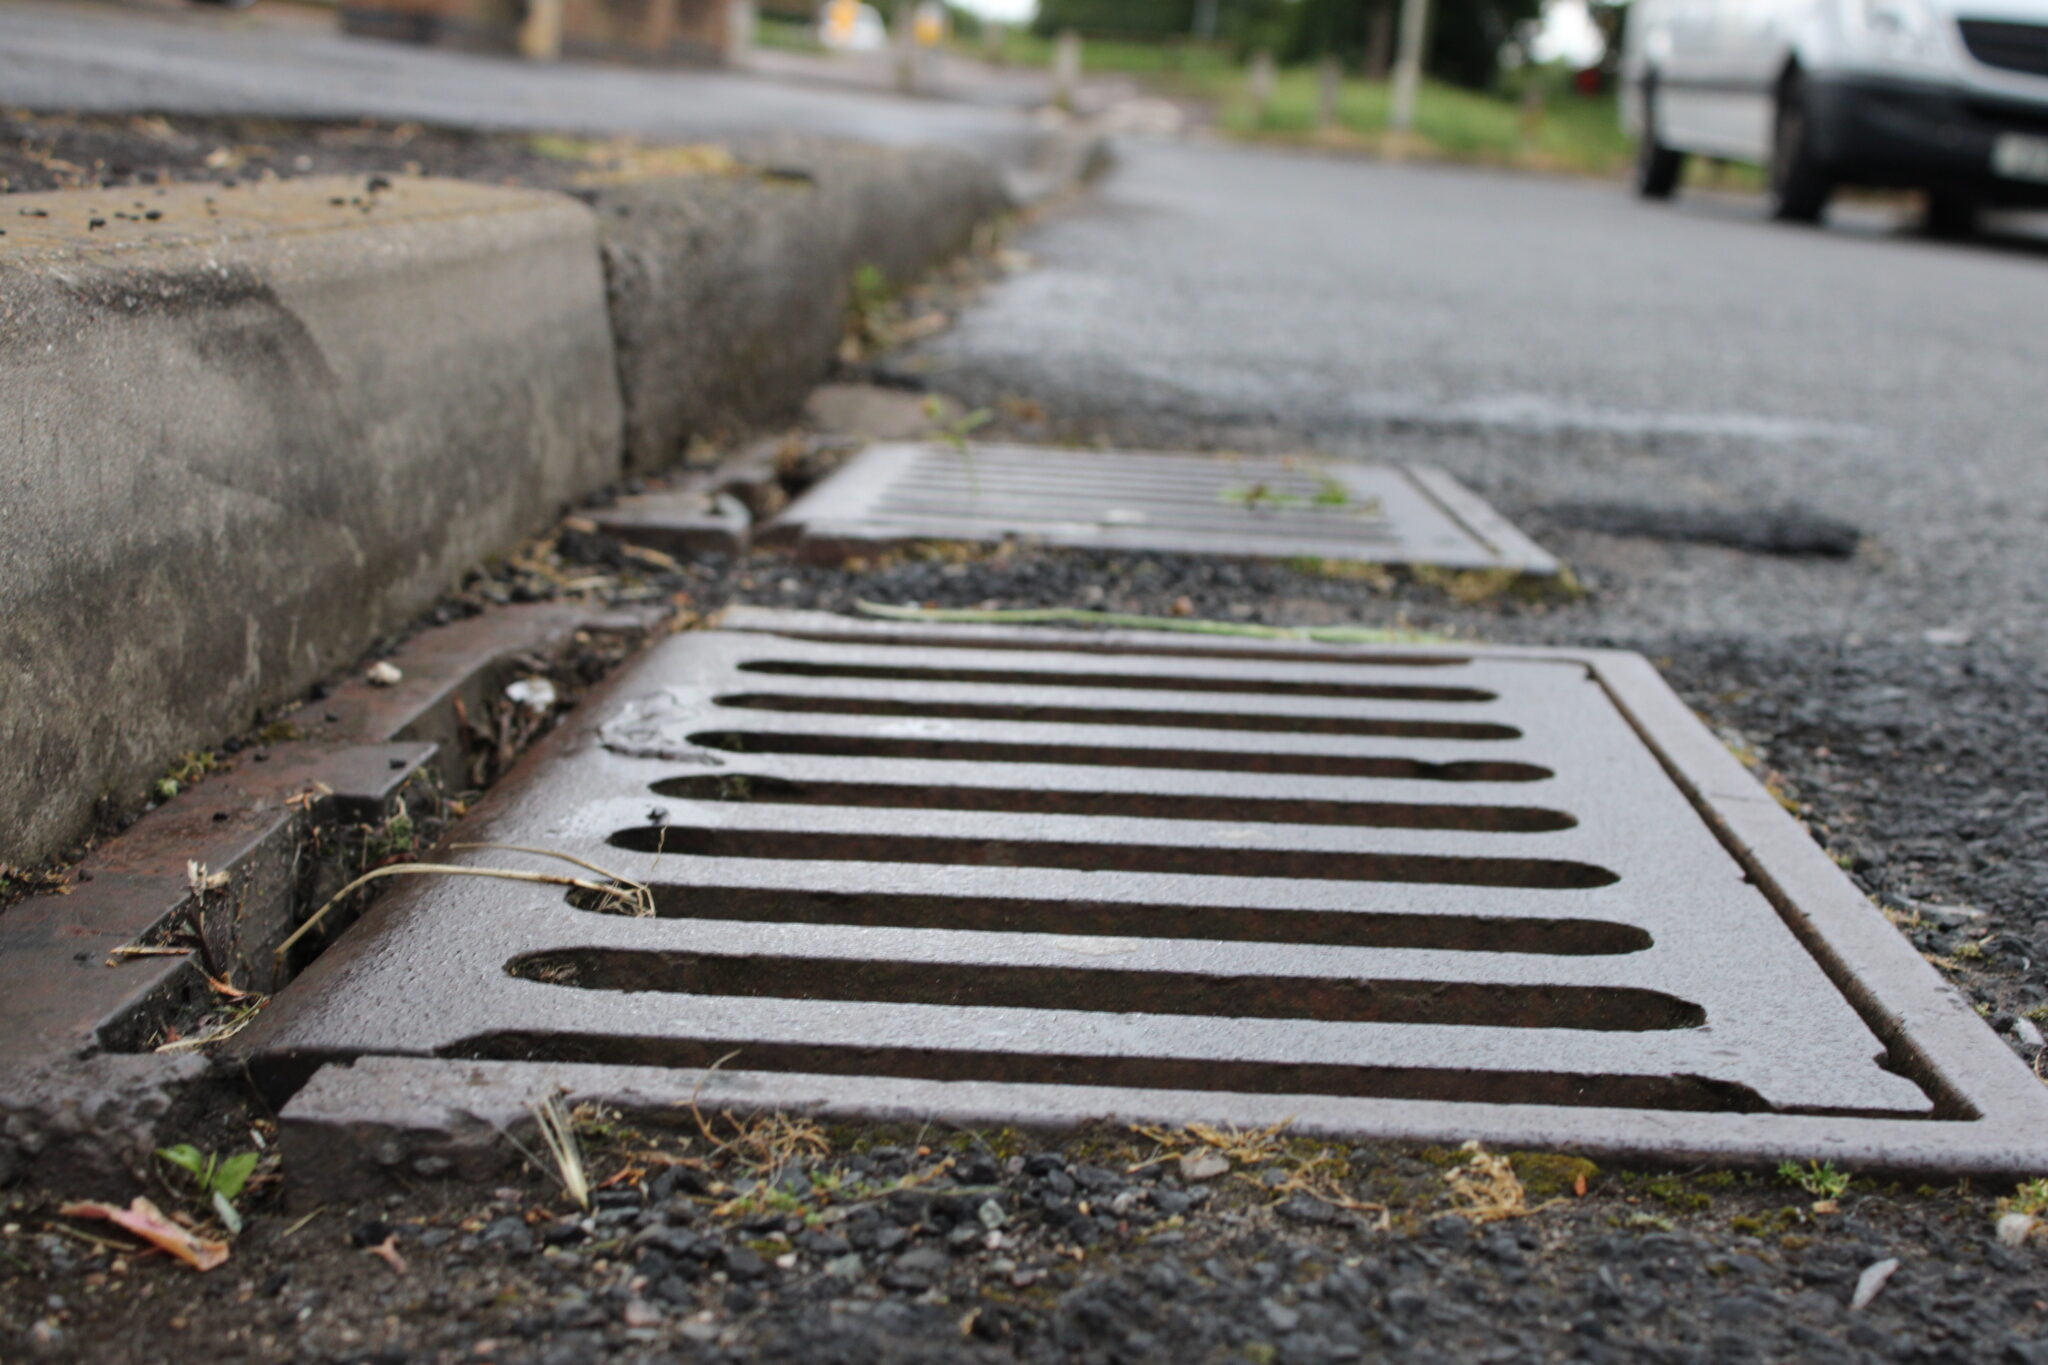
x=1945, y=96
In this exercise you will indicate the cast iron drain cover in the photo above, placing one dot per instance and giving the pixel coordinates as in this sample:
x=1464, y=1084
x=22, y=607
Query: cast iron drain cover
x=1016, y=876
x=1189, y=504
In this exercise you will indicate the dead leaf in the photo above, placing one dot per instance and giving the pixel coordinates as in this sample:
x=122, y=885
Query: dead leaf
x=387, y=1252
x=148, y=1222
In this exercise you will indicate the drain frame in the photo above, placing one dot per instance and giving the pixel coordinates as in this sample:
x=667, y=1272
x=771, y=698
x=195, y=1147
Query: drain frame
x=1990, y=1116
x=899, y=492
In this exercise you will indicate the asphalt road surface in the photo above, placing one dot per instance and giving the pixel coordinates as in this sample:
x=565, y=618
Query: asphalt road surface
x=90, y=58
x=1558, y=343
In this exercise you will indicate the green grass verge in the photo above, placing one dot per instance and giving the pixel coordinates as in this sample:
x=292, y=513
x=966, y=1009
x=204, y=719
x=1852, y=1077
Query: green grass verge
x=1567, y=132
x=1190, y=61
x=785, y=35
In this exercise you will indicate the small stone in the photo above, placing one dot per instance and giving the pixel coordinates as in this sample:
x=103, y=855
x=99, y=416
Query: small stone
x=563, y=1232
x=510, y=1233
x=821, y=1243
x=745, y=1263
x=1205, y=1164
x=2015, y=1228
x=384, y=673
x=1872, y=1281
x=847, y=1267
x=915, y=1270
x=640, y=1313
x=2026, y=1032
x=991, y=1214
x=1283, y=1318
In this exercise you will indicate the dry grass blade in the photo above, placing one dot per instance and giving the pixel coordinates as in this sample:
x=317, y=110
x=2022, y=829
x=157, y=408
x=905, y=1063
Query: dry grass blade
x=634, y=895
x=558, y=1134
x=1244, y=1146
x=1486, y=1188
x=763, y=1143
x=448, y=870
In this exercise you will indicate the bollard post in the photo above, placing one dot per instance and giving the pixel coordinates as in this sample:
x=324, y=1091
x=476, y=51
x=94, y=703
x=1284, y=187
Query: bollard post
x=1264, y=76
x=903, y=48
x=1329, y=87
x=1066, y=68
x=740, y=27
x=1408, y=67
x=539, y=36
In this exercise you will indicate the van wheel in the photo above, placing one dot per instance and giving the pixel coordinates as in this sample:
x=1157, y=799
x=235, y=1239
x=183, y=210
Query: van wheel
x=1951, y=216
x=1658, y=167
x=1799, y=192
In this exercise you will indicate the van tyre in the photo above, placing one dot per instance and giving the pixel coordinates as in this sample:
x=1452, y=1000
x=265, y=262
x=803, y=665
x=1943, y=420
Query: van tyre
x=1799, y=191
x=1658, y=167
x=1951, y=216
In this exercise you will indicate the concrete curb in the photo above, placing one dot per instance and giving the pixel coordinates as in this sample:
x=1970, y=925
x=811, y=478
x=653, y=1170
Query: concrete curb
x=251, y=436
x=728, y=293
x=257, y=432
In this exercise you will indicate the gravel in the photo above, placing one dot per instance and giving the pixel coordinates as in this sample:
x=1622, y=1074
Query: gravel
x=1101, y=1254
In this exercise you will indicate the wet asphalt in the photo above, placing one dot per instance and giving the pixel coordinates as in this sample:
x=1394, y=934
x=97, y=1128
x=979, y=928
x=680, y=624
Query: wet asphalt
x=1559, y=344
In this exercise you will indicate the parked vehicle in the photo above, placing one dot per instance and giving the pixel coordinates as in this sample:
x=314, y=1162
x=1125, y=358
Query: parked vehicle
x=1945, y=96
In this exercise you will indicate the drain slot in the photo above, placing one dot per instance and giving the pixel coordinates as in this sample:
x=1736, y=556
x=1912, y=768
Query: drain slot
x=1577, y=1089
x=1141, y=805
x=1211, y=760
x=1087, y=643
x=1536, y=874
x=1092, y=715
x=1277, y=687
x=1111, y=919
x=1616, y=1009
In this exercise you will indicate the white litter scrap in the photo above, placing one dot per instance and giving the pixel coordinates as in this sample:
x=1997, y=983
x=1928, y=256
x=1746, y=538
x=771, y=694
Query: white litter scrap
x=535, y=694
x=1872, y=1282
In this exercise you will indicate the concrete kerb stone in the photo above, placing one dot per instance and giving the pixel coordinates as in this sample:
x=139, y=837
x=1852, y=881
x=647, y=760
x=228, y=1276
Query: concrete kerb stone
x=728, y=293
x=248, y=437
x=270, y=424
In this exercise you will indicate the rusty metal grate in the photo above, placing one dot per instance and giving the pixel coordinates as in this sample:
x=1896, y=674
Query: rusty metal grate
x=1193, y=504
x=1026, y=876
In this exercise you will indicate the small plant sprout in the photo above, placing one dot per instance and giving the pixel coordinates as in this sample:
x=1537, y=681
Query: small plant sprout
x=1818, y=1178
x=955, y=432
x=219, y=1179
x=558, y=1134
x=2030, y=1198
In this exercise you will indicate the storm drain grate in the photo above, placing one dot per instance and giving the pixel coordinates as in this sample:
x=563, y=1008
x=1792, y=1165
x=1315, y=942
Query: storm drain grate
x=1012, y=876
x=1190, y=504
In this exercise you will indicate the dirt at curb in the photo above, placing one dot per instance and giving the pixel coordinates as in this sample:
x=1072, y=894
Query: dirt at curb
x=81, y=151
x=721, y=1240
